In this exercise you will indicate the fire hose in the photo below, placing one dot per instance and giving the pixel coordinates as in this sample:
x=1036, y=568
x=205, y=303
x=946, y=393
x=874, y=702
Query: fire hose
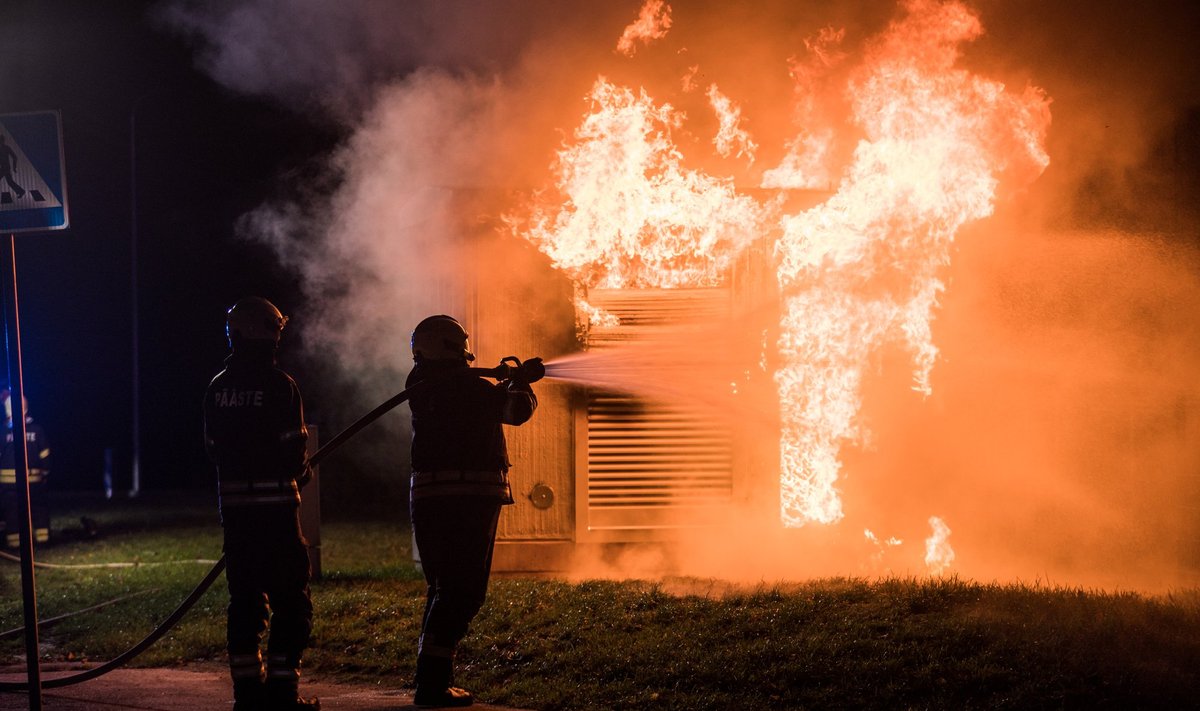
x=92, y=566
x=510, y=367
x=18, y=631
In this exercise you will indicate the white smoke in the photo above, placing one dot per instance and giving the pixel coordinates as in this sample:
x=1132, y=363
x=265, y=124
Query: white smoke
x=441, y=105
x=316, y=55
x=393, y=230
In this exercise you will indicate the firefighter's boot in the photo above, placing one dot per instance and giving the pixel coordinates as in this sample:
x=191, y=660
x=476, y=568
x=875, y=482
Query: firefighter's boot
x=292, y=703
x=283, y=686
x=433, y=685
x=248, y=696
x=248, y=673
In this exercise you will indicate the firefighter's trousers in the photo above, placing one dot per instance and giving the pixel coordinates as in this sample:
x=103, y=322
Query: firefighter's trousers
x=455, y=536
x=268, y=572
x=39, y=511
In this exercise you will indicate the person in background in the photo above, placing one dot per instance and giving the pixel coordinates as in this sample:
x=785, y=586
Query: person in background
x=256, y=436
x=6, y=489
x=37, y=452
x=459, y=482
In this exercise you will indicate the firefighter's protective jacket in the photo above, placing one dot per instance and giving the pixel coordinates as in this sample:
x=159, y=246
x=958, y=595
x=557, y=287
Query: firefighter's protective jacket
x=255, y=433
x=37, y=450
x=458, y=440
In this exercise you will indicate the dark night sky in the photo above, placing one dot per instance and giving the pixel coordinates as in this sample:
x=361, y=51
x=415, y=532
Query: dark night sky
x=203, y=157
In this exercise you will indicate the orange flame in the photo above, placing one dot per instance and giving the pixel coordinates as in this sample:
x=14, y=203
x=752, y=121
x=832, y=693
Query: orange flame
x=632, y=215
x=856, y=272
x=861, y=269
x=880, y=546
x=652, y=23
x=688, y=82
x=807, y=164
x=938, y=553
x=731, y=137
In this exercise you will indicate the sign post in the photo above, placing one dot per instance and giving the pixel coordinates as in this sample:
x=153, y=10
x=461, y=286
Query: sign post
x=33, y=198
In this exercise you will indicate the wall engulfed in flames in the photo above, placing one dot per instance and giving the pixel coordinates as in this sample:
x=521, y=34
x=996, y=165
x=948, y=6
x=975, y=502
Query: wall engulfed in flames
x=964, y=378
x=858, y=270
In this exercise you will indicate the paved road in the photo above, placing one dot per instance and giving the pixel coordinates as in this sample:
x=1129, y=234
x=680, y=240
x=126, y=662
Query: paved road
x=196, y=688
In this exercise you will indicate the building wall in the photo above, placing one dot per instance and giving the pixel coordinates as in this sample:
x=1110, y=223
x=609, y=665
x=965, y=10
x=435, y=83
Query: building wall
x=543, y=474
x=530, y=311
x=524, y=308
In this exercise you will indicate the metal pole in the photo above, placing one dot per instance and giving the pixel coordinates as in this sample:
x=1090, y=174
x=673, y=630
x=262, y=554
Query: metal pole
x=16, y=389
x=136, y=485
x=310, y=507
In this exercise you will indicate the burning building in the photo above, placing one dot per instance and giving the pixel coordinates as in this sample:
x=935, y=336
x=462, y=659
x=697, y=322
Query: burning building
x=734, y=254
x=819, y=290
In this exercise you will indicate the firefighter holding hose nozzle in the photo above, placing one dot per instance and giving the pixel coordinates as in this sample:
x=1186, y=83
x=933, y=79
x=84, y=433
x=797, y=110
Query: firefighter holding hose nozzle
x=459, y=483
x=255, y=435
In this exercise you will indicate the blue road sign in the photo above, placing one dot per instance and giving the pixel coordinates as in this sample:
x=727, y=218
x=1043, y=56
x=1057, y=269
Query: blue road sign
x=33, y=183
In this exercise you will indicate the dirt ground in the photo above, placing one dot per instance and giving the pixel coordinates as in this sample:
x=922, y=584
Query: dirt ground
x=194, y=688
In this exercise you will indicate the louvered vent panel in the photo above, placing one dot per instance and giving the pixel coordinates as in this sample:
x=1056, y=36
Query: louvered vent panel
x=644, y=456
x=645, y=310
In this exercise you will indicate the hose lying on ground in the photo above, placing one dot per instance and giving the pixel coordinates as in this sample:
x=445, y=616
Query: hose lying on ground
x=136, y=649
x=49, y=621
x=85, y=566
x=217, y=569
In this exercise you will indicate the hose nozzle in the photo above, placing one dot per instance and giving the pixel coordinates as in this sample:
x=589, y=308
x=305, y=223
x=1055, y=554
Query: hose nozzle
x=511, y=368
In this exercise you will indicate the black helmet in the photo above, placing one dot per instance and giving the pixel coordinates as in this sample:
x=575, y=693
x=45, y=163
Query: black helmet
x=254, y=319
x=440, y=338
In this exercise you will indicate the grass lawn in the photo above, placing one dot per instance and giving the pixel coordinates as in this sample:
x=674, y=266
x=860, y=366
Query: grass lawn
x=548, y=644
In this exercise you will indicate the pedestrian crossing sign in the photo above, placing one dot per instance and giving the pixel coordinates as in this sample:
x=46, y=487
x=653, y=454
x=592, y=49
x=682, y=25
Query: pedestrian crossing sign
x=33, y=186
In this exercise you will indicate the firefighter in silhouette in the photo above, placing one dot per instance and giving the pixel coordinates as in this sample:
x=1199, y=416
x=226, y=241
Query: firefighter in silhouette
x=459, y=482
x=255, y=435
x=37, y=456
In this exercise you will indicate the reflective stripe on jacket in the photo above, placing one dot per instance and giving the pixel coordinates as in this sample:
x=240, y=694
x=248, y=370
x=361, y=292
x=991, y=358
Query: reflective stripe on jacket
x=9, y=476
x=37, y=451
x=490, y=484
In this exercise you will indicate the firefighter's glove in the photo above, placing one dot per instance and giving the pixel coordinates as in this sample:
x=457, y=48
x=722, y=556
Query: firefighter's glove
x=528, y=372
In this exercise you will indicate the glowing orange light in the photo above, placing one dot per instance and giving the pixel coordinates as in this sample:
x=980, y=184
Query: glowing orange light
x=631, y=214
x=938, y=553
x=731, y=138
x=861, y=270
x=808, y=163
x=856, y=272
x=652, y=23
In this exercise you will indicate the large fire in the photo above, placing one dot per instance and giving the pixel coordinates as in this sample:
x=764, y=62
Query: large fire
x=857, y=272
x=633, y=214
x=862, y=268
